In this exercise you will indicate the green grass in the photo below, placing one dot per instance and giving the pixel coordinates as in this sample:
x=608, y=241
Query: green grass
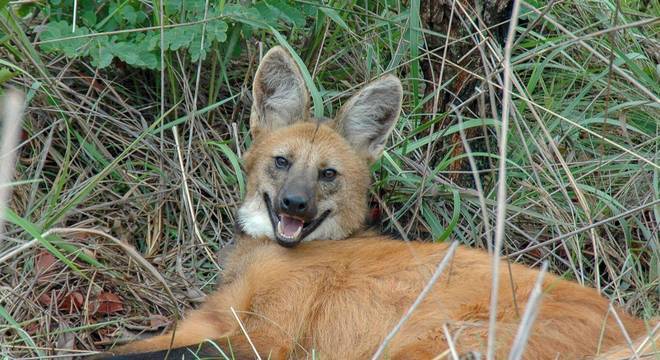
x=97, y=152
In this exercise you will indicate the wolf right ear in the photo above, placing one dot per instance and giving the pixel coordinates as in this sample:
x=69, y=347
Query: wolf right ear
x=368, y=117
x=280, y=96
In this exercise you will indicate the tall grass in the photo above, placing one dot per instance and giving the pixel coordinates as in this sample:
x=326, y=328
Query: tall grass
x=151, y=157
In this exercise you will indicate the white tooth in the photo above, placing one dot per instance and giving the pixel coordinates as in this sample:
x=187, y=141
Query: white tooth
x=281, y=232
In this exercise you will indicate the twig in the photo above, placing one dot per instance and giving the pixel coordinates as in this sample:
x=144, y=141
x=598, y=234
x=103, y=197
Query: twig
x=422, y=295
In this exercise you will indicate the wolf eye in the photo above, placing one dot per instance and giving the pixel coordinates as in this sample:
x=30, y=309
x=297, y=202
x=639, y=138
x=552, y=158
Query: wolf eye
x=281, y=162
x=328, y=174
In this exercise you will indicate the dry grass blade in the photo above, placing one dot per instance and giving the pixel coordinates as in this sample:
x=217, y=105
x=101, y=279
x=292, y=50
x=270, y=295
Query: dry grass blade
x=629, y=341
x=586, y=228
x=128, y=249
x=477, y=181
x=450, y=342
x=12, y=116
x=17, y=250
x=245, y=333
x=651, y=342
x=187, y=198
x=502, y=181
x=600, y=56
x=422, y=295
x=527, y=321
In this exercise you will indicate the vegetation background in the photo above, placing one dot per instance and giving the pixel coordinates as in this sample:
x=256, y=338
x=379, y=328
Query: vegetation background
x=128, y=168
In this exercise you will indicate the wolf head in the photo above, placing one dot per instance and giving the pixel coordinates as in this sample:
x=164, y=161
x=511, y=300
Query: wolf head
x=308, y=178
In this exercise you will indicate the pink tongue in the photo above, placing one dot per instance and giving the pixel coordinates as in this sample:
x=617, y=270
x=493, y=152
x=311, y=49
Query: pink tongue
x=290, y=225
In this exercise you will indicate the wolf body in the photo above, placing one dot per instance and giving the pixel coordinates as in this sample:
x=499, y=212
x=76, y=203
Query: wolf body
x=306, y=280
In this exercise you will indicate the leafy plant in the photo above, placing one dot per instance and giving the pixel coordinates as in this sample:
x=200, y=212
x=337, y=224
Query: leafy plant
x=188, y=25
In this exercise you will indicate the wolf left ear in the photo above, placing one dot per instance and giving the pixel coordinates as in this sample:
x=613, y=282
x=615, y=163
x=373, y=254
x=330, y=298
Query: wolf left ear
x=280, y=96
x=369, y=116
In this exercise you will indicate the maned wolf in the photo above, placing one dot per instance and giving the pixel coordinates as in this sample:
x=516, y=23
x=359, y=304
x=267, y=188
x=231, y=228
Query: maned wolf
x=284, y=296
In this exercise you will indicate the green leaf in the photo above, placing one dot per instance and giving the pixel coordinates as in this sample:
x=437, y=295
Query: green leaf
x=101, y=52
x=235, y=163
x=36, y=233
x=194, y=8
x=6, y=75
x=309, y=9
x=89, y=18
x=267, y=13
x=432, y=221
x=172, y=6
x=197, y=50
x=136, y=55
x=332, y=14
x=248, y=16
x=152, y=40
x=129, y=14
x=454, y=218
x=217, y=31
x=288, y=13
x=179, y=37
x=414, y=145
x=22, y=333
x=60, y=30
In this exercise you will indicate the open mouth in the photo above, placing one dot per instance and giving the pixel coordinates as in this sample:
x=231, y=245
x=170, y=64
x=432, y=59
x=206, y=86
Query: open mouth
x=290, y=230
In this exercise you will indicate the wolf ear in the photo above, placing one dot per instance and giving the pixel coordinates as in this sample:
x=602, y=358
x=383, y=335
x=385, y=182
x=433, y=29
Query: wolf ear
x=280, y=97
x=368, y=117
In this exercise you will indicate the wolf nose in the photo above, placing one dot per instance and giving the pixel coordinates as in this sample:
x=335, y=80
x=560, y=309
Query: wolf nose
x=294, y=204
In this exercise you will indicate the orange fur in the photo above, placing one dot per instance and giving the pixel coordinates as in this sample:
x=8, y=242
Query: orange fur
x=341, y=298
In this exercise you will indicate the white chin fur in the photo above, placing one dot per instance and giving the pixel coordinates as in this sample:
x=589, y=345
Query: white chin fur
x=254, y=220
